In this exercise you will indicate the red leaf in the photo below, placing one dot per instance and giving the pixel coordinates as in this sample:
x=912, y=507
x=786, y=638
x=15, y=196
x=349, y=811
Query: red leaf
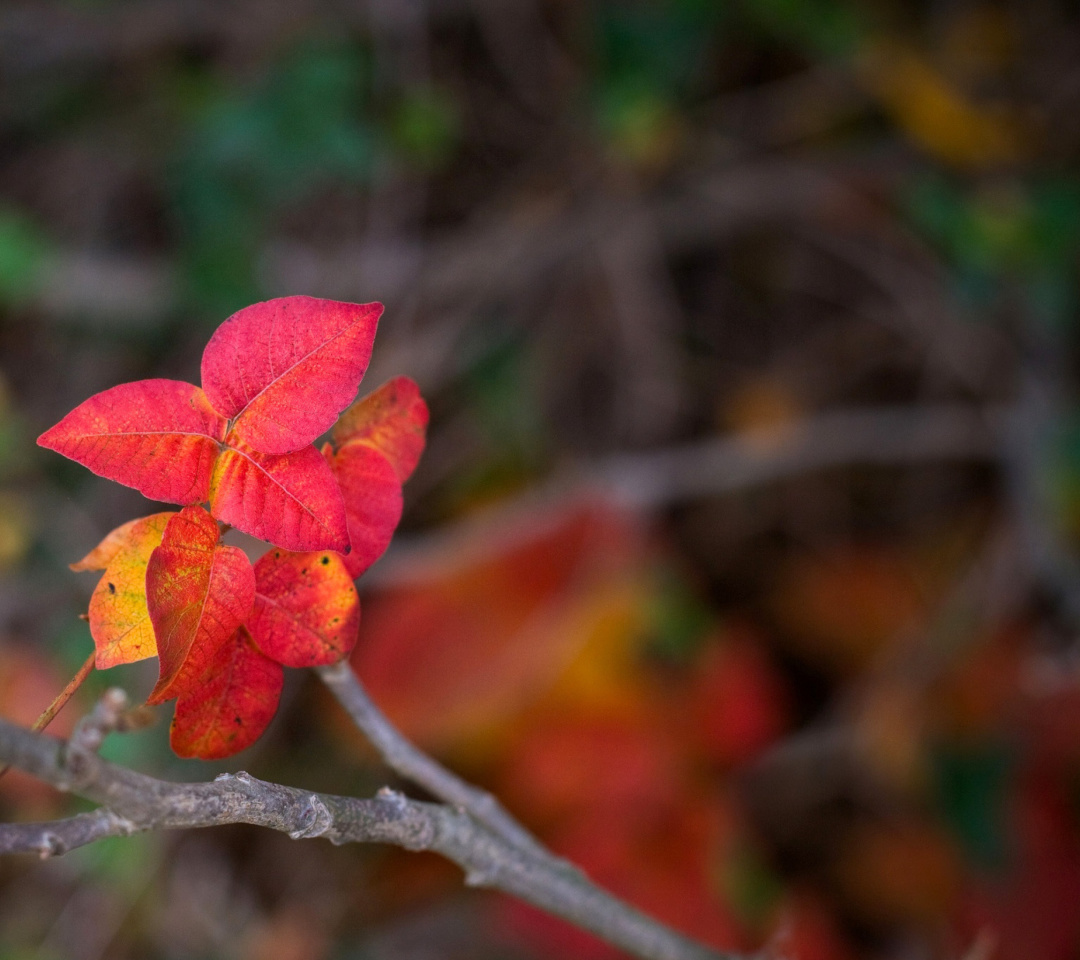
x=119, y=618
x=372, y=494
x=158, y=436
x=393, y=419
x=291, y=501
x=198, y=593
x=283, y=370
x=306, y=609
x=232, y=699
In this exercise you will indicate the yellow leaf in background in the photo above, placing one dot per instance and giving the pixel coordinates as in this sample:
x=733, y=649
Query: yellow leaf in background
x=936, y=115
x=764, y=411
x=15, y=531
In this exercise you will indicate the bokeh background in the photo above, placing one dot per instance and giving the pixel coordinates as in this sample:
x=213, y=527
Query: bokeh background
x=741, y=562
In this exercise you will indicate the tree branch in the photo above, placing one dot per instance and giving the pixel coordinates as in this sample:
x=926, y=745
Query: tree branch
x=413, y=764
x=55, y=837
x=134, y=802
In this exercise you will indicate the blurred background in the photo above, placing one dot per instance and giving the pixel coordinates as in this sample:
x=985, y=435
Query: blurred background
x=741, y=562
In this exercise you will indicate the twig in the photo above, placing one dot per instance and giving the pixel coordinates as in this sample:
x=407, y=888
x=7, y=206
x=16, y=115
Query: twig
x=413, y=764
x=680, y=473
x=882, y=435
x=56, y=837
x=140, y=803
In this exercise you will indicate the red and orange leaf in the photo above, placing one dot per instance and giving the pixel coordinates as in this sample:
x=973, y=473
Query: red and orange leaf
x=291, y=501
x=283, y=370
x=231, y=700
x=119, y=617
x=372, y=494
x=306, y=612
x=198, y=592
x=110, y=546
x=393, y=419
x=159, y=436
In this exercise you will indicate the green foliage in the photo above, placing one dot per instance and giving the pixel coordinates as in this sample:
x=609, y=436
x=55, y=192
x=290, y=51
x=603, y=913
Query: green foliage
x=23, y=251
x=248, y=154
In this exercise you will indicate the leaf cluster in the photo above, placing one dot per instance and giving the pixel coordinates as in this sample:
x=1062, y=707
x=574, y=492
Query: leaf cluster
x=238, y=452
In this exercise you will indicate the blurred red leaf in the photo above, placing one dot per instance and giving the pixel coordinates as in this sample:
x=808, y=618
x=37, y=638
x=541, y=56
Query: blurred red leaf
x=738, y=703
x=282, y=371
x=659, y=861
x=484, y=625
x=842, y=607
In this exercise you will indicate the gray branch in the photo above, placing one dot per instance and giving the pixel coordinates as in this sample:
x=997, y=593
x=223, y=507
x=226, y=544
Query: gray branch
x=59, y=836
x=413, y=764
x=134, y=802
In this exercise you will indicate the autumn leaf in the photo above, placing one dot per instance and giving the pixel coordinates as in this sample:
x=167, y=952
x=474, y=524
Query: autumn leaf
x=493, y=619
x=112, y=543
x=291, y=500
x=393, y=419
x=198, y=592
x=159, y=436
x=371, y=492
x=119, y=618
x=283, y=370
x=232, y=697
x=307, y=612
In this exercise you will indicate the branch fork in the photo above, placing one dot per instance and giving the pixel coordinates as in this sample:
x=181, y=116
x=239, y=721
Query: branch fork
x=469, y=827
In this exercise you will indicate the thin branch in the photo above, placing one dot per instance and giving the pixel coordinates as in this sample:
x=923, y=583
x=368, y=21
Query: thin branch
x=881, y=435
x=139, y=803
x=413, y=764
x=55, y=837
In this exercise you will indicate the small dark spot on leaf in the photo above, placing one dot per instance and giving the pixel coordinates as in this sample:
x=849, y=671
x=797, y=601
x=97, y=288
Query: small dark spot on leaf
x=112, y=588
x=324, y=561
x=277, y=554
x=237, y=720
x=303, y=572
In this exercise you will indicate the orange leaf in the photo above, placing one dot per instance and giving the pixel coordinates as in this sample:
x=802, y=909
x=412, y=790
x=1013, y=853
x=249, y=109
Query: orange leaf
x=230, y=701
x=306, y=612
x=292, y=500
x=114, y=540
x=392, y=419
x=198, y=593
x=283, y=370
x=119, y=617
x=371, y=491
x=158, y=436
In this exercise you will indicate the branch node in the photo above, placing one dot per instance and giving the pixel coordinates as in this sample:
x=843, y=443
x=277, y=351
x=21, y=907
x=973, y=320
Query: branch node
x=51, y=846
x=478, y=878
x=394, y=798
x=315, y=820
x=92, y=729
